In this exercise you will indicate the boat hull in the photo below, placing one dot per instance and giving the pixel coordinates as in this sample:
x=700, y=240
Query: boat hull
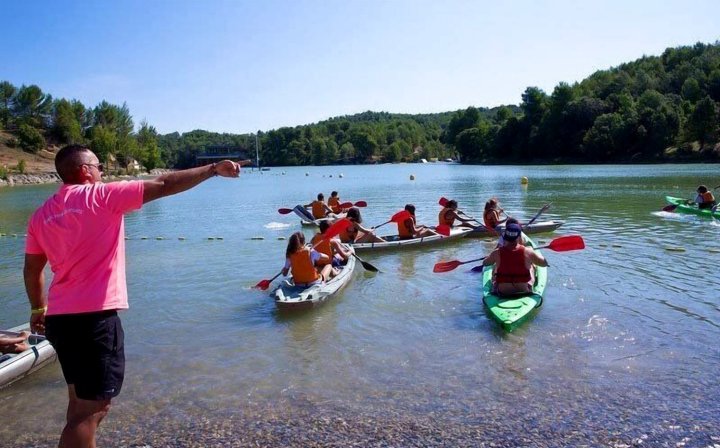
x=289, y=297
x=683, y=207
x=394, y=243
x=39, y=355
x=537, y=227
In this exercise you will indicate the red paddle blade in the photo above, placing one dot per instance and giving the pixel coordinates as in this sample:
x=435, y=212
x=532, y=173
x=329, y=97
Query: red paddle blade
x=443, y=229
x=262, y=285
x=345, y=205
x=284, y=211
x=443, y=201
x=669, y=208
x=446, y=266
x=566, y=243
x=337, y=228
x=401, y=216
x=361, y=204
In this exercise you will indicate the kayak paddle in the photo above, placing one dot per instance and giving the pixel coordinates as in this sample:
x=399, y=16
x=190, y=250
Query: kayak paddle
x=543, y=209
x=350, y=204
x=397, y=217
x=561, y=244
x=366, y=265
x=331, y=232
x=285, y=211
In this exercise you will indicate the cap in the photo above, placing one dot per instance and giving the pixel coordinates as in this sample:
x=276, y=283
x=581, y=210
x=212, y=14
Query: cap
x=512, y=232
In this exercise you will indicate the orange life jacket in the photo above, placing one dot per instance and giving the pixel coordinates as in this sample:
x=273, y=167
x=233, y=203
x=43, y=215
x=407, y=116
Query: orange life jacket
x=511, y=268
x=318, y=209
x=333, y=204
x=443, y=218
x=324, y=247
x=404, y=229
x=707, y=197
x=490, y=218
x=348, y=235
x=302, y=267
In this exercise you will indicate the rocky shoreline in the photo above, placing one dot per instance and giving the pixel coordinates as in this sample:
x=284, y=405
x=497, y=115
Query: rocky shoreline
x=53, y=178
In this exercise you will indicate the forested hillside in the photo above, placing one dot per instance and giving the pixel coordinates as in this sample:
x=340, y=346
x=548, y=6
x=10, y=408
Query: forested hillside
x=657, y=108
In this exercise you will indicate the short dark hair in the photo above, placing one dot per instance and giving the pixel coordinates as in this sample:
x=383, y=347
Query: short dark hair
x=67, y=160
x=320, y=196
x=354, y=214
x=452, y=203
x=323, y=226
x=410, y=208
x=334, y=193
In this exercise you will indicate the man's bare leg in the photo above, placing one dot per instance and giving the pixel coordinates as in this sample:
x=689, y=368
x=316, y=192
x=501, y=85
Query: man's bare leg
x=83, y=419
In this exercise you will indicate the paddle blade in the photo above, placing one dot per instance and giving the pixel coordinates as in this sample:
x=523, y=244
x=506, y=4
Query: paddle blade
x=443, y=201
x=669, y=208
x=366, y=265
x=361, y=204
x=400, y=216
x=443, y=229
x=338, y=227
x=284, y=211
x=566, y=243
x=446, y=266
x=262, y=285
x=345, y=205
x=478, y=268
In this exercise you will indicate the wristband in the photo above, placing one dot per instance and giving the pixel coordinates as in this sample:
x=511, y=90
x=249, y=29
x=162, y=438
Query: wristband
x=40, y=310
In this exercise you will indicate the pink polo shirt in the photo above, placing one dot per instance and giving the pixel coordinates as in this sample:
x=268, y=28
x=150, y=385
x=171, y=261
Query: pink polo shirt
x=81, y=231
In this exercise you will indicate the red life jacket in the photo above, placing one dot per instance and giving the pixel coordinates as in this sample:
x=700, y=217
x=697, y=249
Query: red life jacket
x=511, y=268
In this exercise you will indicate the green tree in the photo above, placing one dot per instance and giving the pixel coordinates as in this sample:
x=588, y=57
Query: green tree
x=103, y=142
x=363, y=142
x=691, y=90
x=461, y=120
x=66, y=127
x=7, y=94
x=703, y=123
x=148, y=146
x=30, y=139
x=32, y=106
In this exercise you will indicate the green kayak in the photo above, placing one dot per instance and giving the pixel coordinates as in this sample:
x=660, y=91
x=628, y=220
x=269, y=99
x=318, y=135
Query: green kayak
x=682, y=206
x=510, y=312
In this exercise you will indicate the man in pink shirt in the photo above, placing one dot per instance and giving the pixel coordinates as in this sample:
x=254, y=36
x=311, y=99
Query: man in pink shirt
x=80, y=232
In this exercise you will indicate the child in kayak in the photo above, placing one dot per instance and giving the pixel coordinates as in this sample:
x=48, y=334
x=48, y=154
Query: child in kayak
x=491, y=215
x=704, y=198
x=301, y=261
x=335, y=250
x=449, y=214
x=356, y=233
x=514, y=263
x=319, y=208
x=334, y=202
x=408, y=229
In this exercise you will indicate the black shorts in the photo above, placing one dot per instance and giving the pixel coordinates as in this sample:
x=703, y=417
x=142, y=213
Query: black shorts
x=90, y=348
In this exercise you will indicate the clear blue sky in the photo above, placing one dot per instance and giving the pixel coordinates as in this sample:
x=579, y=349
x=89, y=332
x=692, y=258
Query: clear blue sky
x=240, y=66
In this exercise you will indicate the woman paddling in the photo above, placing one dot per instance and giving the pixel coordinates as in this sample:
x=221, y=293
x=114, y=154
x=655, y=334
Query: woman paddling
x=491, y=215
x=301, y=261
x=449, y=214
x=356, y=233
x=408, y=229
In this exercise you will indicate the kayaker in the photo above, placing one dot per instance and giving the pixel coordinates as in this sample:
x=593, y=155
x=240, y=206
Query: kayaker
x=514, y=273
x=334, y=202
x=16, y=344
x=449, y=214
x=319, y=208
x=409, y=229
x=356, y=233
x=301, y=260
x=491, y=215
x=704, y=198
x=333, y=248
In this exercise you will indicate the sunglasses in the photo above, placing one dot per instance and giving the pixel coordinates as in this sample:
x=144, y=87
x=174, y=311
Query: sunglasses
x=99, y=166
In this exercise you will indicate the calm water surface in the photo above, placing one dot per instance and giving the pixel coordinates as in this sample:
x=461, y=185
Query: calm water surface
x=624, y=350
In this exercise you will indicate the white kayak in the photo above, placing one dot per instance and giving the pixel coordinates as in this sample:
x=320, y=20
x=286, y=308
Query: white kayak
x=394, y=241
x=15, y=366
x=536, y=227
x=289, y=297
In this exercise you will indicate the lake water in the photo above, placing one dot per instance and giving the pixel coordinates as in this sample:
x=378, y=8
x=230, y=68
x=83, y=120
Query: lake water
x=624, y=350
